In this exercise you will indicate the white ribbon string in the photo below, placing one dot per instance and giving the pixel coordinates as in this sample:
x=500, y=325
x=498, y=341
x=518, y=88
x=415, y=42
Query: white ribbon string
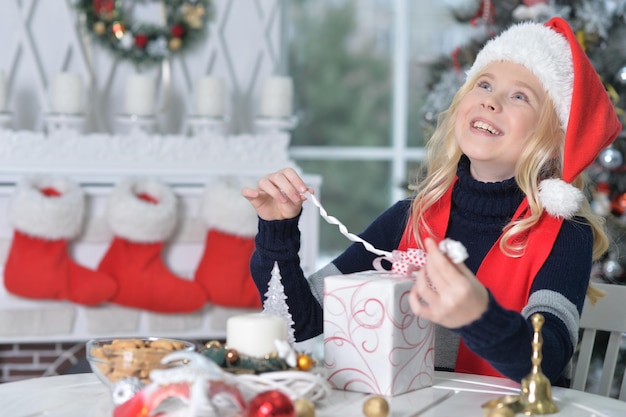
x=344, y=230
x=453, y=249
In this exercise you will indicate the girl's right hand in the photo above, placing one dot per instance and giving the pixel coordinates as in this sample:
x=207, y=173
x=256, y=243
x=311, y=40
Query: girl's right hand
x=279, y=195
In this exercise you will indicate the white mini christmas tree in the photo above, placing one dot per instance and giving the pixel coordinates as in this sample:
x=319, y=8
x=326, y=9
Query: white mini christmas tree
x=276, y=302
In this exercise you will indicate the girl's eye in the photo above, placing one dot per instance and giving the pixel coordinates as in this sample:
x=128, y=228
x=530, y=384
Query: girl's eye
x=520, y=96
x=484, y=85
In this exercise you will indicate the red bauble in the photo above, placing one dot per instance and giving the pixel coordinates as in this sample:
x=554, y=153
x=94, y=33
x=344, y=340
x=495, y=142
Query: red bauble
x=103, y=6
x=531, y=3
x=271, y=403
x=177, y=31
x=141, y=41
x=618, y=205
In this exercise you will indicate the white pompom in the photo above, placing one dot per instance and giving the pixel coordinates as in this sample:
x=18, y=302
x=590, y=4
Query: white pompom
x=559, y=198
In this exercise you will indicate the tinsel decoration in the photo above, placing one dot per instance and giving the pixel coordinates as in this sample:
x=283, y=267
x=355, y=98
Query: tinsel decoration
x=441, y=96
x=146, y=43
x=276, y=302
x=231, y=361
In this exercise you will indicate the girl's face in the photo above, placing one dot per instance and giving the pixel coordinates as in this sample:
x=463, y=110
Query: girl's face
x=497, y=117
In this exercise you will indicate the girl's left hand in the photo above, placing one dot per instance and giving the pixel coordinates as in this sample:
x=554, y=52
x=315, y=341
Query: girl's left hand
x=446, y=293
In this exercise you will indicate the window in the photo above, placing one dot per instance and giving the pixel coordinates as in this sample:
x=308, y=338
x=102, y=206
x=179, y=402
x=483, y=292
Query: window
x=360, y=101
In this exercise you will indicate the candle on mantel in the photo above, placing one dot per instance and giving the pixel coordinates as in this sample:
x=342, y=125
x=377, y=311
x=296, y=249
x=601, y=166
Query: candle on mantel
x=277, y=97
x=255, y=334
x=140, y=95
x=210, y=97
x=3, y=92
x=67, y=93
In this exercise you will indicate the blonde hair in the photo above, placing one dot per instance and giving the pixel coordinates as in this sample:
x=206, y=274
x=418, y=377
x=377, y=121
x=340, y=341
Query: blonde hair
x=542, y=158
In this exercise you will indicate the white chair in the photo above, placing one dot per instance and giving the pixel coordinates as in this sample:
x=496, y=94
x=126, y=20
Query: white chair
x=608, y=314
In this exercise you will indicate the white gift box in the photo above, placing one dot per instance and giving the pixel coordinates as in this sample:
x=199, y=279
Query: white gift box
x=373, y=343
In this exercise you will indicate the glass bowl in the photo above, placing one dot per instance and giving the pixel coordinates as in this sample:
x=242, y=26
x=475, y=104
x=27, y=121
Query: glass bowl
x=114, y=359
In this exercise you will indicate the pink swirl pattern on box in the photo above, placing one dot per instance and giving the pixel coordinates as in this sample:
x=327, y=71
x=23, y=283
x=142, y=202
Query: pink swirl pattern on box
x=372, y=340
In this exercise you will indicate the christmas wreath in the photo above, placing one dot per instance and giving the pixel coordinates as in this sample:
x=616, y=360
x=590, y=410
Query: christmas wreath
x=142, y=42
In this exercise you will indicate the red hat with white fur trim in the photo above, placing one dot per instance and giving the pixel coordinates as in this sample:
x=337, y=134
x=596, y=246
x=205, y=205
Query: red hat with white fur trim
x=554, y=55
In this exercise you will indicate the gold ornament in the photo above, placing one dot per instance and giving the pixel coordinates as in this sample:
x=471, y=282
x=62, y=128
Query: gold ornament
x=305, y=362
x=213, y=344
x=193, y=15
x=174, y=44
x=376, y=407
x=99, y=28
x=303, y=408
x=232, y=356
x=271, y=355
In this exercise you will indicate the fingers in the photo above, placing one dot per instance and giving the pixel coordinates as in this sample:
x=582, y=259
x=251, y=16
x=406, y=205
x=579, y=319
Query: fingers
x=439, y=268
x=279, y=195
x=434, y=281
x=249, y=193
x=416, y=302
x=284, y=186
x=453, y=295
x=424, y=284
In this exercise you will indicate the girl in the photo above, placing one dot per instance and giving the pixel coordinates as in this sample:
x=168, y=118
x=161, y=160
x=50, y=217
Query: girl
x=504, y=179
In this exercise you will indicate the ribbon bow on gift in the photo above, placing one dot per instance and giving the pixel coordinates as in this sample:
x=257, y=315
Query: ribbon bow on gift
x=403, y=263
x=406, y=263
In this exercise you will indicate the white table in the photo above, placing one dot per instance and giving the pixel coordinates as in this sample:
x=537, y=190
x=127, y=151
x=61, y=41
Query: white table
x=83, y=395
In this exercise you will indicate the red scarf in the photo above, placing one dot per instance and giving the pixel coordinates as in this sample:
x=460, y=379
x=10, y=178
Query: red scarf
x=508, y=279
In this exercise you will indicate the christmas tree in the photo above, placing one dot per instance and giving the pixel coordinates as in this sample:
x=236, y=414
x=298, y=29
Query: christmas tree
x=275, y=302
x=600, y=26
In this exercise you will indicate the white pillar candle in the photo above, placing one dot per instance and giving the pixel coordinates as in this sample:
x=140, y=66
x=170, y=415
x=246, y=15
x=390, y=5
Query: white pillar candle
x=254, y=334
x=277, y=97
x=140, y=95
x=67, y=93
x=210, y=97
x=3, y=92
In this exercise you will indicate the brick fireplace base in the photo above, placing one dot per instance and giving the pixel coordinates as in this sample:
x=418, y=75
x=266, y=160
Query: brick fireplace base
x=30, y=360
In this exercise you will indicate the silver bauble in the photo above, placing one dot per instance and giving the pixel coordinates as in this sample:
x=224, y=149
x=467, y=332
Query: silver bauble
x=610, y=158
x=612, y=269
x=621, y=75
x=125, y=389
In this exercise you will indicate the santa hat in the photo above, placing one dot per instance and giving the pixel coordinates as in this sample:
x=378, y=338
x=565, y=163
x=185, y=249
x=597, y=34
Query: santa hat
x=553, y=54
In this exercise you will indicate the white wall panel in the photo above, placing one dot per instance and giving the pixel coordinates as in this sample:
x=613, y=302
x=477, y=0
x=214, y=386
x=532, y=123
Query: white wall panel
x=40, y=38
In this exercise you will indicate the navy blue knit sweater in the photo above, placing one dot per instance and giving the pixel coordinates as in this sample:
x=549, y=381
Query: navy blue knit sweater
x=478, y=213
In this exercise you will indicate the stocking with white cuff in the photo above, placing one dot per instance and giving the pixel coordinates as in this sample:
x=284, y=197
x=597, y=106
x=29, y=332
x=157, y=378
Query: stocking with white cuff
x=46, y=214
x=142, y=215
x=224, y=269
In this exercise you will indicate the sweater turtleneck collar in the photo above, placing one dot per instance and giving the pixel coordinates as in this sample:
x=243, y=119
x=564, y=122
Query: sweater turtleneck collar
x=485, y=199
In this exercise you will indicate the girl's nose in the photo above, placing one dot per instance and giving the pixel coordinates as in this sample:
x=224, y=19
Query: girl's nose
x=490, y=104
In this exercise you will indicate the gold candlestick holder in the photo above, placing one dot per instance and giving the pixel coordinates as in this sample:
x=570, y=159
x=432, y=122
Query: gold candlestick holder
x=536, y=392
x=536, y=395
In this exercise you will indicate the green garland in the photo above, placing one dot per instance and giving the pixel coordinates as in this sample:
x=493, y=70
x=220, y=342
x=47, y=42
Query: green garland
x=146, y=43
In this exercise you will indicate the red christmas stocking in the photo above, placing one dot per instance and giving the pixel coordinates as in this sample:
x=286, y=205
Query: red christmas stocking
x=46, y=213
x=142, y=215
x=224, y=269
